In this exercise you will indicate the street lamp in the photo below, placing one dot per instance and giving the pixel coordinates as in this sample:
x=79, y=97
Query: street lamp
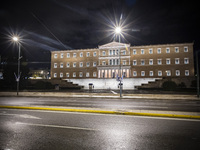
x=16, y=39
x=118, y=31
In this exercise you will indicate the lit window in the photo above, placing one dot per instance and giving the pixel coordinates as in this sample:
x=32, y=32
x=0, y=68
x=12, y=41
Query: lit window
x=142, y=62
x=88, y=54
x=177, y=72
x=74, y=74
x=94, y=64
x=81, y=64
x=103, y=63
x=134, y=73
x=55, y=56
x=124, y=62
x=159, y=73
x=134, y=62
x=142, y=73
x=68, y=64
x=80, y=74
x=74, y=64
x=142, y=51
x=88, y=64
x=94, y=74
x=61, y=65
x=95, y=54
x=134, y=52
x=68, y=55
x=185, y=49
x=55, y=75
x=74, y=55
x=186, y=72
x=186, y=60
x=113, y=52
x=150, y=73
x=113, y=61
x=124, y=52
x=168, y=61
x=177, y=61
x=159, y=50
x=150, y=61
x=159, y=61
x=117, y=52
x=110, y=61
x=168, y=73
x=61, y=75
x=151, y=51
x=103, y=53
x=87, y=74
x=61, y=55
x=55, y=65
x=167, y=50
x=110, y=52
x=81, y=54
x=67, y=75
x=176, y=49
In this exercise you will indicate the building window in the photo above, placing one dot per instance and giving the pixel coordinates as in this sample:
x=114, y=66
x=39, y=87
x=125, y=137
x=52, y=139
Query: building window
x=168, y=50
x=68, y=55
x=150, y=61
x=110, y=52
x=88, y=54
x=117, y=52
x=186, y=72
x=142, y=51
x=74, y=55
x=159, y=73
x=143, y=73
x=168, y=72
x=124, y=62
x=176, y=49
x=134, y=62
x=185, y=49
x=159, y=61
x=81, y=64
x=159, y=50
x=110, y=61
x=134, y=73
x=95, y=54
x=142, y=62
x=177, y=72
x=150, y=51
x=150, y=73
x=67, y=75
x=123, y=52
x=103, y=63
x=74, y=64
x=103, y=53
x=94, y=64
x=55, y=56
x=68, y=64
x=114, y=62
x=80, y=74
x=94, y=74
x=177, y=61
x=134, y=52
x=61, y=65
x=74, y=74
x=114, y=52
x=81, y=54
x=186, y=60
x=61, y=55
x=55, y=75
x=55, y=65
x=168, y=61
x=87, y=74
x=88, y=64
x=61, y=75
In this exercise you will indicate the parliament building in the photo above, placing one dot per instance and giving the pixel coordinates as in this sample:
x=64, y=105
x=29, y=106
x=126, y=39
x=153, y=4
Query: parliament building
x=104, y=64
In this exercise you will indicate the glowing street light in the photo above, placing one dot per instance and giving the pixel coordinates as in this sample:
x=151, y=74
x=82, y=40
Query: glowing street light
x=118, y=30
x=16, y=39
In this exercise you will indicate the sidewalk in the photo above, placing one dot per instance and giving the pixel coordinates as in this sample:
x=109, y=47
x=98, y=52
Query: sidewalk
x=104, y=95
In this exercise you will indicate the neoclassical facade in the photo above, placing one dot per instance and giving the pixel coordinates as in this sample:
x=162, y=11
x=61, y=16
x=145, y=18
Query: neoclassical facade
x=115, y=59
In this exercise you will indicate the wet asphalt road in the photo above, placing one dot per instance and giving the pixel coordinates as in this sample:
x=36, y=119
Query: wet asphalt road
x=124, y=104
x=49, y=130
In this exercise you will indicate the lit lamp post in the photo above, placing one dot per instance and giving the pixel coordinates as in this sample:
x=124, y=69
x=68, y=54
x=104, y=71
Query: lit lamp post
x=118, y=31
x=16, y=39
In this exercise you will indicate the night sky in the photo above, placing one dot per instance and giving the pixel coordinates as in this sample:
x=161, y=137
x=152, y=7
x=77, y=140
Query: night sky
x=46, y=25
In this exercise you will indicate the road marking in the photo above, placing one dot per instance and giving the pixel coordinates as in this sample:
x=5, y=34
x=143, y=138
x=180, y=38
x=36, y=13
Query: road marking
x=20, y=115
x=56, y=126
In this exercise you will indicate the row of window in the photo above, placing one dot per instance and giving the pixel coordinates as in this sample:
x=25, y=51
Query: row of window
x=74, y=64
x=74, y=74
x=159, y=50
x=160, y=73
x=75, y=55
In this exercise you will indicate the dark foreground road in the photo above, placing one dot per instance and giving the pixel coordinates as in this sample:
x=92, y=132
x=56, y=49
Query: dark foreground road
x=49, y=130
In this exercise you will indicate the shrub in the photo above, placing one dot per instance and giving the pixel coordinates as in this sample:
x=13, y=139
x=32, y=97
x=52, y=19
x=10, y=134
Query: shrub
x=169, y=86
x=43, y=85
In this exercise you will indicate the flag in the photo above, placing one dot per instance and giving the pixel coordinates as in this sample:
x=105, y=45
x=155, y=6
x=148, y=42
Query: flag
x=126, y=47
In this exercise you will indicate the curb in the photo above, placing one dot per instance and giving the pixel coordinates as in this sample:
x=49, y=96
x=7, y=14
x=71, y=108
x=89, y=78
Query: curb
x=104, y=112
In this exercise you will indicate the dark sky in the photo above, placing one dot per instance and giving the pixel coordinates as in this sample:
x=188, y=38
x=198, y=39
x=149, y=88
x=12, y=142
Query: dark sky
x=46, y=25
